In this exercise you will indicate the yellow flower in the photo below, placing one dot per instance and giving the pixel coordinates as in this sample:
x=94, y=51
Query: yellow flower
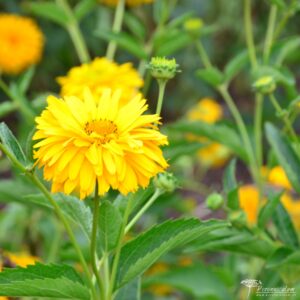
x=21, y=259
x=97, y=139
x=98, y=75
x=213, y=155
x=277, y=176
x=207, y=110
x=249, y=202
x=293, y=208
x=21, y=43
x=128, y=2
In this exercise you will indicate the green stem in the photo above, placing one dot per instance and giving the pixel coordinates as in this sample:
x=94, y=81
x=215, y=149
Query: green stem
x=118, y=250
x=161, y=93
x=58, y=212
x=270, y=33
x=202, y=53
x=249, y=32
x=93, y=247
x=74, y=32
x=119, y=14
x=106, y=272
x=155, y=195
x=285, y=119
x=258, y=128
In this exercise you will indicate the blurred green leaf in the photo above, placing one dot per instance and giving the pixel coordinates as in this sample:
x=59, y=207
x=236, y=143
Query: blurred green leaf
x=48, y=10
x=235, y=65
x=6, y=108
x=285, y=227
x=212, y=76
x=135, y=25
x=179, y=21
x=198, y=281
x=124, y=41
x=285, y=154
x=131, y=290
x=12, y=145
x=231, y=186
x=57, y=281
x=283, y=256
x=139, y=254
x=268, y=209
x=84, y=7
x=25, y=79
x=287, y=48
x=215, y=132
x=110, y=224
x=279, y=3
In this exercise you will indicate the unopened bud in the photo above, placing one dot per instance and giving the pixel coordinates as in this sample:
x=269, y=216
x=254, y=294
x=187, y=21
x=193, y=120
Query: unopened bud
x=193, y=26
x=265, y=85
x=238, y=218
x=214, y=201
x=163, y=68
x=165, y=182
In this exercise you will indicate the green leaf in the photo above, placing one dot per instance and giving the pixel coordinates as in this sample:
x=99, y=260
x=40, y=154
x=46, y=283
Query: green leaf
x=215, y=132
x=139, y=254
x=48, y=10
x=71, y=206
x=198, y=281
x=282, y=256
x=176, y=22
x=285, y=154
x=6, y=108
x=131, y=290
x=10, y=142
x=110, y=224
x=124, y=41
x=230, y=186
x=57, y=281
x=135, y=25
x=279, y=3
x=84, y=7
x=25, y=80
x=287, y=48
x=212, y=76
x=268, y=209
x=235, y=65
x=285, y=227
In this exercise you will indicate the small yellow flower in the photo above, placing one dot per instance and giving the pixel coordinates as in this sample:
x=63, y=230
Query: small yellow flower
x=21, y=43
x=128, y=2
x=21, y=259
x=293, y=208
x=277, y=176
x=185, y=261
x=249, y=202
x=97, y=139
x=207, y=110
x=98, y=75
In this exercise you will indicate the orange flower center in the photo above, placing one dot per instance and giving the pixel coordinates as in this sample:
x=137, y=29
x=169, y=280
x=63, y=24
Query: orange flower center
x=103, y=130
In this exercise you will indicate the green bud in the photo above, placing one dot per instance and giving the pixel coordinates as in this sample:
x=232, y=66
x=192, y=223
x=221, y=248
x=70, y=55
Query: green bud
x=165, y=182
x=193, y=26
x=163, y=68
x=214, y=201
x=265, y=85
x=238, y=218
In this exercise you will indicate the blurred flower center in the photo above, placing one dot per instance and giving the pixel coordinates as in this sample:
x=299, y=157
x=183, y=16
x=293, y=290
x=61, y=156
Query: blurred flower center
x=103, y=130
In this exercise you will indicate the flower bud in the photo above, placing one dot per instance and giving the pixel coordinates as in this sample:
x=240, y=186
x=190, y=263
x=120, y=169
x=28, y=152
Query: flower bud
x=193, y=26
x=265, y=85
x=163, y=68
x=214, y=201
x=165, y=182
x=238, y=218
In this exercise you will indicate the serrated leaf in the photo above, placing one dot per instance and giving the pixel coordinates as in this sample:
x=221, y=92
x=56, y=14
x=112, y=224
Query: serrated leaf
x=58, y=281
x=71, y=206
x=285, y=154
x=215, y=132
x=139, y=254
x=230, y=186
x=285, y=227
x=268, y=209
x=10, y=142
x=124, y=41
x=235, y=65
x=83, y=8
x=110, y=224
x=212, y=76
x=48, y=10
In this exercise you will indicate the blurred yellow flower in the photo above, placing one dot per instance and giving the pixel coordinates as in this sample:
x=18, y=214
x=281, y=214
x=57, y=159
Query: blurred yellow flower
x=185, y=261
x=214, y=155
x=21, y=259
x=249, y=202
x=98, y=75
x=97, y=139
x=128, y=2
x=293, y=208
x=277, y=176
x=21, y=43
x=206, y=110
